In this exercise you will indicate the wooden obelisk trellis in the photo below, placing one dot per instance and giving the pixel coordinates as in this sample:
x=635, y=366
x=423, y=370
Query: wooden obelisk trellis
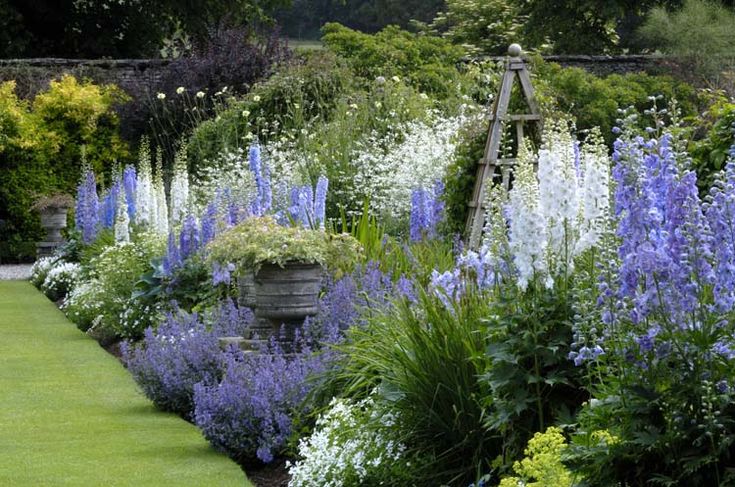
x=515, y=67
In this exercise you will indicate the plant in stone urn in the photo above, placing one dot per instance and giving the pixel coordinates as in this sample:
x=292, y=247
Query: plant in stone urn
x=287, y=263
x=52, y=209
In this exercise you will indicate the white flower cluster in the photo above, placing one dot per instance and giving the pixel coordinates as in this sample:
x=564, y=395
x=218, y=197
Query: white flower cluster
x=344, y=450
x=82, y=304
x=526, y=230
x=61, y=278
x=122, y=220
x=387, y=171
x=41, y=268
x=179, y=188
x=230, y=172
x=562, y=212
x=150, y=194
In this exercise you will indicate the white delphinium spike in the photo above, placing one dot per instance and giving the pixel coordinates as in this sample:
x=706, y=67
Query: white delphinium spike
x=558, y=194
x=595, y=191
x=144, y=187
x=159, y=192
x=527, y=235
x=495, y=232
x=179, y=188
x=122, y=220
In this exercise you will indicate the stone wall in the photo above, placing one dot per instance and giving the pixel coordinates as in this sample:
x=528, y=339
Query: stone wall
x=605, y=65
x=138, y=76
x=135, y=76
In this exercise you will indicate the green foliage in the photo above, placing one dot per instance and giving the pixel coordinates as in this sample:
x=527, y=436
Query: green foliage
x=710, y=153
x=670, y=429
x=701, y=34
x=301, y=92
x=543, y=465
x=482, y=26
x=460, y=178
x=425, y=360
x=594, y=101
x=305, y=17
x=368, y=231
x=101, y=302
x=258, y=241
x=43, y=143
x=427, y=63
x=117, y=28
x=531, y=380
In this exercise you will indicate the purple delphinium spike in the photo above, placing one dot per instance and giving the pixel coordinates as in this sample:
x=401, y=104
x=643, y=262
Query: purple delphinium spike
x=720, y=212
x=129, y=182
x=221, y=273
x=261, y=203
x=437, y=209
x=209, y=223
x=189, y=239
x=320, y=201
x=88, y=208
x=109, y=205
x=172, y=259
x=266, y=201
x=418, y=218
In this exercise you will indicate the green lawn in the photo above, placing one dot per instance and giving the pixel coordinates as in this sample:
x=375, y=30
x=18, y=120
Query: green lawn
x=306, y=45
x=70, y=414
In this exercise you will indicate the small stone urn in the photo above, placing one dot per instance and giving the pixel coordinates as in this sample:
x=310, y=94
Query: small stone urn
x=53, y=220
x=286, y=296
x=53, y=210
x=261, y=328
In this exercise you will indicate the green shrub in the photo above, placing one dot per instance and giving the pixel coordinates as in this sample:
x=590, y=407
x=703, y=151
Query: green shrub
x=460, y=178
x=102, y=299
x=482, y=26
x=594, y=101
x=701, y=34
x=428, y=63
x=710, y=153
x=42, y=145
x=300, y=93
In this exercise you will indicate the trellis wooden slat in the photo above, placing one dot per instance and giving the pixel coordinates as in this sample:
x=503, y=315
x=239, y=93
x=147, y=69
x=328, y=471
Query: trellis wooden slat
x=515, y=67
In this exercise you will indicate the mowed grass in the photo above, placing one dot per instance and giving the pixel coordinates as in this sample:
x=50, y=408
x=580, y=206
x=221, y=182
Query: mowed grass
x=305, y=44
x=70, y=414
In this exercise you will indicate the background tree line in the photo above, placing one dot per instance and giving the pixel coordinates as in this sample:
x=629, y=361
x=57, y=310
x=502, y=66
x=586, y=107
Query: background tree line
x=140, y=28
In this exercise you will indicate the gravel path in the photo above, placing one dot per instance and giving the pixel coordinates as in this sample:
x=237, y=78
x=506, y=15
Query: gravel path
x=11, y=272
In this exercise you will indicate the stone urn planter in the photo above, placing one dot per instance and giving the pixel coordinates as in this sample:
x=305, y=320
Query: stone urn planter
x=261, y=328
x=52, y=210
x=53, y=220
x=286, y=296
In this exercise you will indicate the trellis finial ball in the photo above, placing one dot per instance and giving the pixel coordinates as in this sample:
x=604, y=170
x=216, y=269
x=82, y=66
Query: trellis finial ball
x=515, y=50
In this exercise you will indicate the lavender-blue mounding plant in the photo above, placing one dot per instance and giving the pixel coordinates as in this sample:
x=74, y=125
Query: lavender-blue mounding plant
x=182, y=352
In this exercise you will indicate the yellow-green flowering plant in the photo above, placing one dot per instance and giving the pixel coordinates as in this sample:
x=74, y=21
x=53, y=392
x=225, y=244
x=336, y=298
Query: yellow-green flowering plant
x=258, y=241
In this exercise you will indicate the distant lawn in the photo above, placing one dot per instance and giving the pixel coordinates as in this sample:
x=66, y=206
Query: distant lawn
x=70, y=414
x=307, y=45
